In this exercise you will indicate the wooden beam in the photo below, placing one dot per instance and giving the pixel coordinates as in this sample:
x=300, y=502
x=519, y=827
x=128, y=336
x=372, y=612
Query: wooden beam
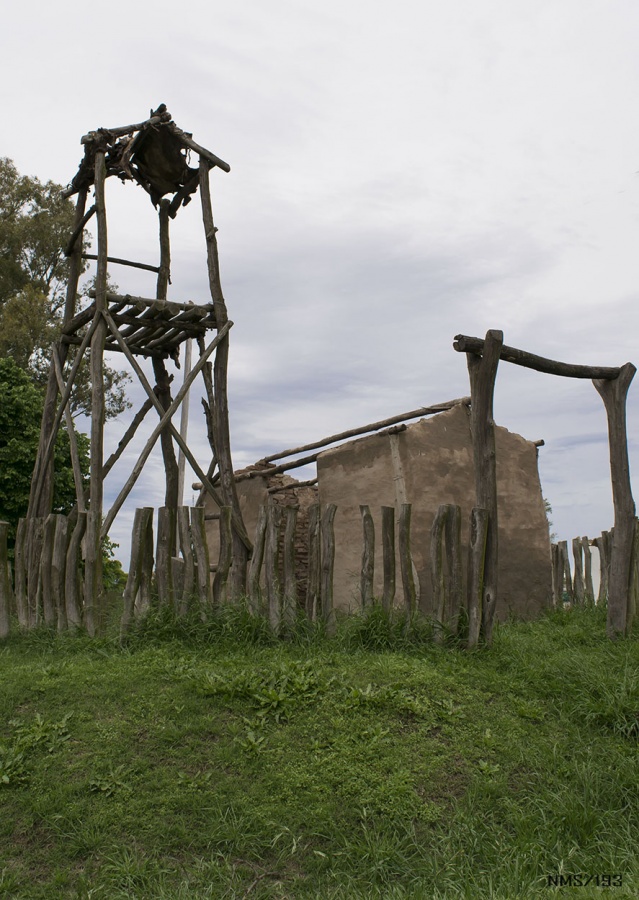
x=366, y=429
x=124, y=262
x=201, y=151
x=465, y=344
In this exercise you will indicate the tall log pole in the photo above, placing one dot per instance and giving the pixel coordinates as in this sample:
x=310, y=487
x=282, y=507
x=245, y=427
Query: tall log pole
x=93, y=554
x=220, y=369
x=482, y=371
x=40, y=500
x=162, y=378
x=613, y=394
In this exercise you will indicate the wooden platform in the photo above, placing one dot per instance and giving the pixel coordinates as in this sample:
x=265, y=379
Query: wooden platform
x=149, y=327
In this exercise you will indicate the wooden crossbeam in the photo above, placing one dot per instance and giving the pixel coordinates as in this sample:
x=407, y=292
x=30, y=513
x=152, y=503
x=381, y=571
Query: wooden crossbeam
x=465, y=344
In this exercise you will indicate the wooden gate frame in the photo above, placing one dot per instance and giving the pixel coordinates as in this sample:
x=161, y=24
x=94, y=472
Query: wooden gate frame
x=612, y=384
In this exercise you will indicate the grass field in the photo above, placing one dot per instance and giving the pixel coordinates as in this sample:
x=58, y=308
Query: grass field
x=215, y=762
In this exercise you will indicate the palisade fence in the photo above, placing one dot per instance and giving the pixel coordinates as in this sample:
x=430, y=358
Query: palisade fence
x=173, y=569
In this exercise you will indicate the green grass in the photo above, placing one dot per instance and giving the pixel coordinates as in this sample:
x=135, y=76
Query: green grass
x=214, y=761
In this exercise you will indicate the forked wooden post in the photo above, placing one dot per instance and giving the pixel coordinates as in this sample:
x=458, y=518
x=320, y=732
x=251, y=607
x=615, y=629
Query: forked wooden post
x=483, y=372
x=613, y=394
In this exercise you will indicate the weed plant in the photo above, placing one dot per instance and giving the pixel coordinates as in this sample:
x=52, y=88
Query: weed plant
x=215, y=759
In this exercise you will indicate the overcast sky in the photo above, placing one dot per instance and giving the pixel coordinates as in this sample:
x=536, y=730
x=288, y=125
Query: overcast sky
x=400, y=173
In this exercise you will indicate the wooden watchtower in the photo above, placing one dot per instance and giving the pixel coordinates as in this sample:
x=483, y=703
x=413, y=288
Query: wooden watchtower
x=153, y=153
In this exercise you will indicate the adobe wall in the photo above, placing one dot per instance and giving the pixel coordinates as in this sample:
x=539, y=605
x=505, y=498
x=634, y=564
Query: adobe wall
x=428, y=463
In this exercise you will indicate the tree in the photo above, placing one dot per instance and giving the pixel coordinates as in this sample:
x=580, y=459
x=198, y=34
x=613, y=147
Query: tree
x=35, y=224
x=20, y=412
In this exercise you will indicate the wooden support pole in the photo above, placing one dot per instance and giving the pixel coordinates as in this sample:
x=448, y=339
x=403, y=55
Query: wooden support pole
x=127, y=437
x=255, y=567
x=73, y=442
x=327, y=566
x=271, y=565
x=6, y=594
x=225, y=558
x=600, y=544
x=406, y=560
x=613, y=394
x=313, y=585
x=241, y=545
x=388, y=556
x=41, y=494
x=482, y=371
x=144, y=594
x=93, y=587
x=368, y=558
x=476, y=560
x=557, y=575
x=48, y=435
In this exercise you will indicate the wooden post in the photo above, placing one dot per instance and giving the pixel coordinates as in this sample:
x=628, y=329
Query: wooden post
x=557, y=579
x=201, y=551
x=368, y=557
x=221, y=412
x=225, y=558
x=58, y=570
x=613, y=394
x=476, y=558
x=327, y=566
x=600, y=543
x=313, y=585
x=135, y=571
x=290, y=581
x=589, y=588
x=46, y=574
x=72, y=583
x=34, y=585
x=143, y=599
x=255, y=568
x=6, y=594
x=164, y=554
x=93, y=590
x=20, y=562
x=273, y=584
x=188, y=585
x=406, y=560
x=483, y=372
x=578, y=580
x=388, y=556
x=438, y=569
x=455, y=590
x=567, y=576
